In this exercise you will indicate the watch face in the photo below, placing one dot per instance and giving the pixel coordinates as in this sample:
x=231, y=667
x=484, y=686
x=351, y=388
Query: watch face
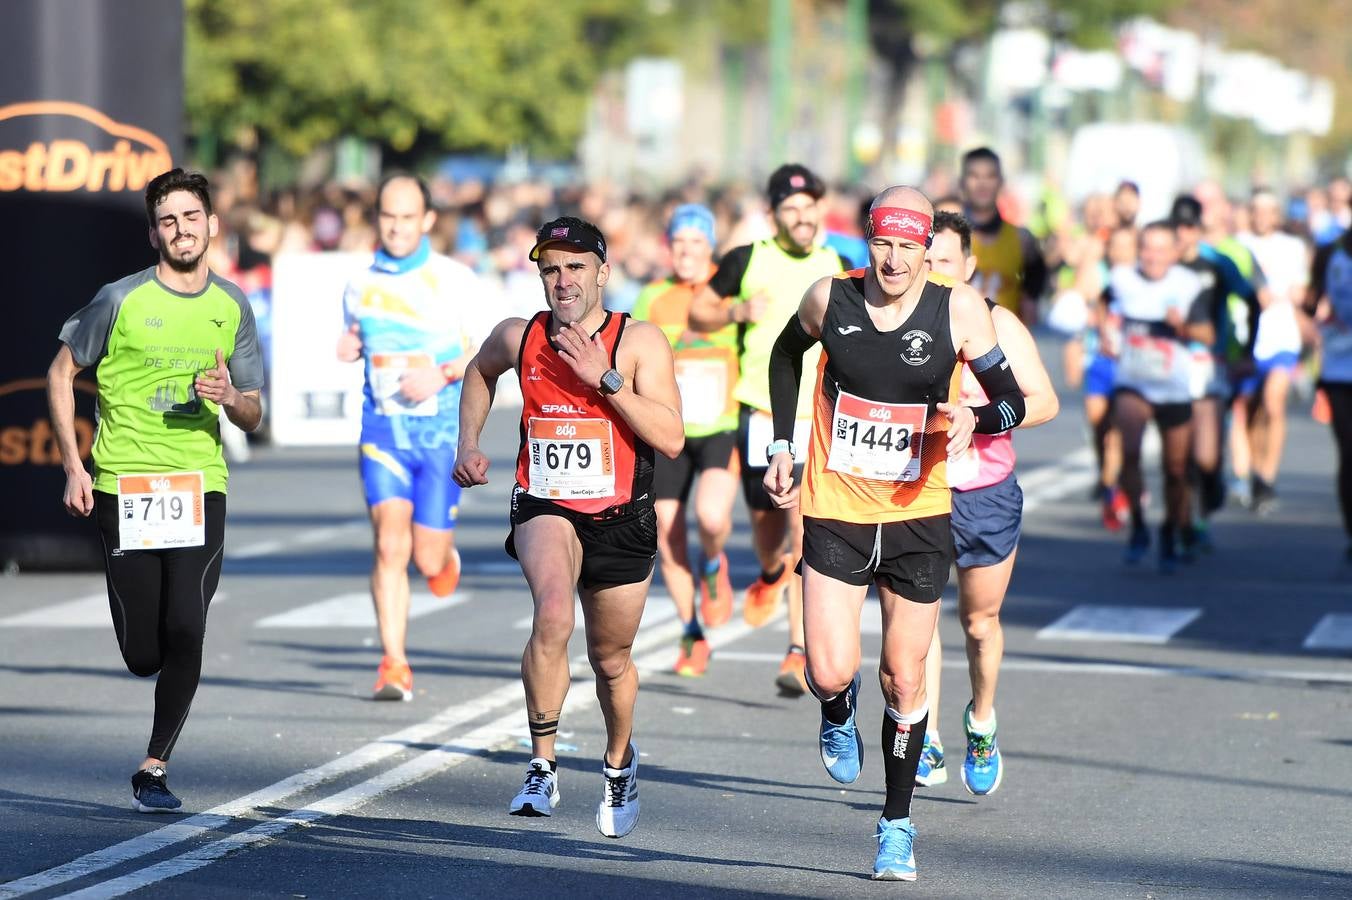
x=612, y=381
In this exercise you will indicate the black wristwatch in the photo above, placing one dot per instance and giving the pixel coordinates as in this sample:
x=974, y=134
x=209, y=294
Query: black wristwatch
x=611, y=382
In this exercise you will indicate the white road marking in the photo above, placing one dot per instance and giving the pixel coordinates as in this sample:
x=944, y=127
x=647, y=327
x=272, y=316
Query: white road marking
x=272, y=795
x=1122, y=624
x=1070, y=667
x=302, y=538
x=355, y=610
x=1333, y=632
x=90, y=611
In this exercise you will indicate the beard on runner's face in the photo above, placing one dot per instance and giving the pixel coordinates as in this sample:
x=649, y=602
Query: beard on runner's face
x=571, y=284
x=796, y=219
x=184, y=249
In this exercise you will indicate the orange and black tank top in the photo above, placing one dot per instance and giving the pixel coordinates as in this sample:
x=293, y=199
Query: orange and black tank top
x=576, y=451
x=878, y=449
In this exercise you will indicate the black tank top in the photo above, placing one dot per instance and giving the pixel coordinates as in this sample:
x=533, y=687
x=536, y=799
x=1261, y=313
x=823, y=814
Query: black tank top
x=910, y=364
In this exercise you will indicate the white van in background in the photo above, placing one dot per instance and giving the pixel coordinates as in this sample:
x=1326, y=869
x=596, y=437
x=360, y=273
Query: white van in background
x=1163, y=161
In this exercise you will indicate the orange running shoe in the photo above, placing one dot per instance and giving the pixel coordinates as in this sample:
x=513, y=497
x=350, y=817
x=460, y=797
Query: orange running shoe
x=694, y=658
x=762, y=599
x=792, y=680
x=394, y=681
x=1321, y=412
x=715, y=591
x=444, y=583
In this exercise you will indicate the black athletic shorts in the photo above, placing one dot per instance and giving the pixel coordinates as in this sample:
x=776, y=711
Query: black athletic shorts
x=754, y=466
x=912, y=558
x=1166, y=415
x=672, y=478
x=618, y=547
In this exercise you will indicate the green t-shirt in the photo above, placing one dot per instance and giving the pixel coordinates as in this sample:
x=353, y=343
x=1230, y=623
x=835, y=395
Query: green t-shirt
x=765, y=267
x=149, y=342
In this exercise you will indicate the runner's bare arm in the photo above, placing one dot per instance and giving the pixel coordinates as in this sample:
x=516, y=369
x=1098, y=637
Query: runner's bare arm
x=79, y=494
x=649, y=402
x=970, y=322
x=243, y=408
x=710, y=312
x=497, y=355
x=1040, y=400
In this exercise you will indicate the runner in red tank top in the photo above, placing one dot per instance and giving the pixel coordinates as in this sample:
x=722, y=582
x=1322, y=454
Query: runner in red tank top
x=600, y=397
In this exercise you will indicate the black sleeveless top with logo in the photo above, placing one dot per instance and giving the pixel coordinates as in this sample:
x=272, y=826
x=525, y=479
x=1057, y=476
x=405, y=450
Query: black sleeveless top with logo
x=876, y=401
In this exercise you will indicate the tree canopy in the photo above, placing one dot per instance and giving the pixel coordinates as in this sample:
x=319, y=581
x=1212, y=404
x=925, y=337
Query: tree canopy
x=466, y=74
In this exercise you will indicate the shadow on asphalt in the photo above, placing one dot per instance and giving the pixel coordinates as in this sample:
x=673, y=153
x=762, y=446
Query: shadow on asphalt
x=271, y=685
x=1191, y=775
x=536, y=852
x=720, y=782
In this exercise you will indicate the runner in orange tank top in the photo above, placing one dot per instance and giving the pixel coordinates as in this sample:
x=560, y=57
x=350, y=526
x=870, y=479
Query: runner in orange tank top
x=875, y=494
x=600, y=397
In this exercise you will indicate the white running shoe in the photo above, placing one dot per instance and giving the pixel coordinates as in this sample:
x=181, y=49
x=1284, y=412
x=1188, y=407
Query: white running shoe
x=617, y=814
x=540, y=794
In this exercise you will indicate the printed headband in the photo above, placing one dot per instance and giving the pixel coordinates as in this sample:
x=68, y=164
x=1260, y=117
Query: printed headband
x=897, y=221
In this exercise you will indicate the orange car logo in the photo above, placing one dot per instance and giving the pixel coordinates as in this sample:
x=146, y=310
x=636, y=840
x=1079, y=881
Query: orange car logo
x=65, y=164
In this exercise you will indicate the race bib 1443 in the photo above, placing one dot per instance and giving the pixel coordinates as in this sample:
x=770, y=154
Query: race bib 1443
x=877, y=441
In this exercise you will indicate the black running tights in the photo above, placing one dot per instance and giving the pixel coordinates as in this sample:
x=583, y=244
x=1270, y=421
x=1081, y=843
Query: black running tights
x=159, y=601
x=1340, y=404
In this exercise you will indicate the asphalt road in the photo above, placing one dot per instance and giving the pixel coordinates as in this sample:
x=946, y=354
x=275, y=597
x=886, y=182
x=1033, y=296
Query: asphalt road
x=1184, y=736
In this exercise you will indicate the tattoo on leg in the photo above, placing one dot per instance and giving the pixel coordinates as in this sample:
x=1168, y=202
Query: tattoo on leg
x=543, y=724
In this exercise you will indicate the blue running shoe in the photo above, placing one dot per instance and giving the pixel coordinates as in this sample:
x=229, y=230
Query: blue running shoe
x=1137, y=547
x=896, y=851
x=931, y=771
x=842, y=746
x=150, y=793
x=983, y=767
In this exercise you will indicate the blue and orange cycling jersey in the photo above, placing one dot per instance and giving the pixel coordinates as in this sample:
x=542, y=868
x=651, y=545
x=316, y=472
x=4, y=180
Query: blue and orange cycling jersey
x=410, y=315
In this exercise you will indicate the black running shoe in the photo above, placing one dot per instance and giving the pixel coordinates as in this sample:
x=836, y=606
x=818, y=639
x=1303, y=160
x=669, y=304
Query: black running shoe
x=150, y=794
x=1264, y=497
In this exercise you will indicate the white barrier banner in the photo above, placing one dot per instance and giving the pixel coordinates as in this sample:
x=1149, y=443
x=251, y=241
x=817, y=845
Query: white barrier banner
x=313, y=399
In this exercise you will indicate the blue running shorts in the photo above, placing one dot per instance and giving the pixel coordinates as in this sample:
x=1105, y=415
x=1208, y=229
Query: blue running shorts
x=986, y=523
x=421, y=476
x=1098, y=376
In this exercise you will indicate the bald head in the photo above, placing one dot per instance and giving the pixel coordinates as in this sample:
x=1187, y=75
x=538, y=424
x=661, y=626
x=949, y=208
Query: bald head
x=899, y=230
x=905, y=197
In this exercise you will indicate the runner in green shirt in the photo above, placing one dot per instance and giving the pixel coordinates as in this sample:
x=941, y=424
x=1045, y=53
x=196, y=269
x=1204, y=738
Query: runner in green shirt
x=172, y=346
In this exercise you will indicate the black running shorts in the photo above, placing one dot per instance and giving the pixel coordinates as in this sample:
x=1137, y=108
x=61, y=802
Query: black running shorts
x=912, y=558
x=616, y=549
x=672, y=478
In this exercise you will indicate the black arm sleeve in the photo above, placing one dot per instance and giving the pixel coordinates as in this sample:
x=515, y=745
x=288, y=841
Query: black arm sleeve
x=1006, y=407
x=786, y=370
x=1317, y=270
x=727, y=281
